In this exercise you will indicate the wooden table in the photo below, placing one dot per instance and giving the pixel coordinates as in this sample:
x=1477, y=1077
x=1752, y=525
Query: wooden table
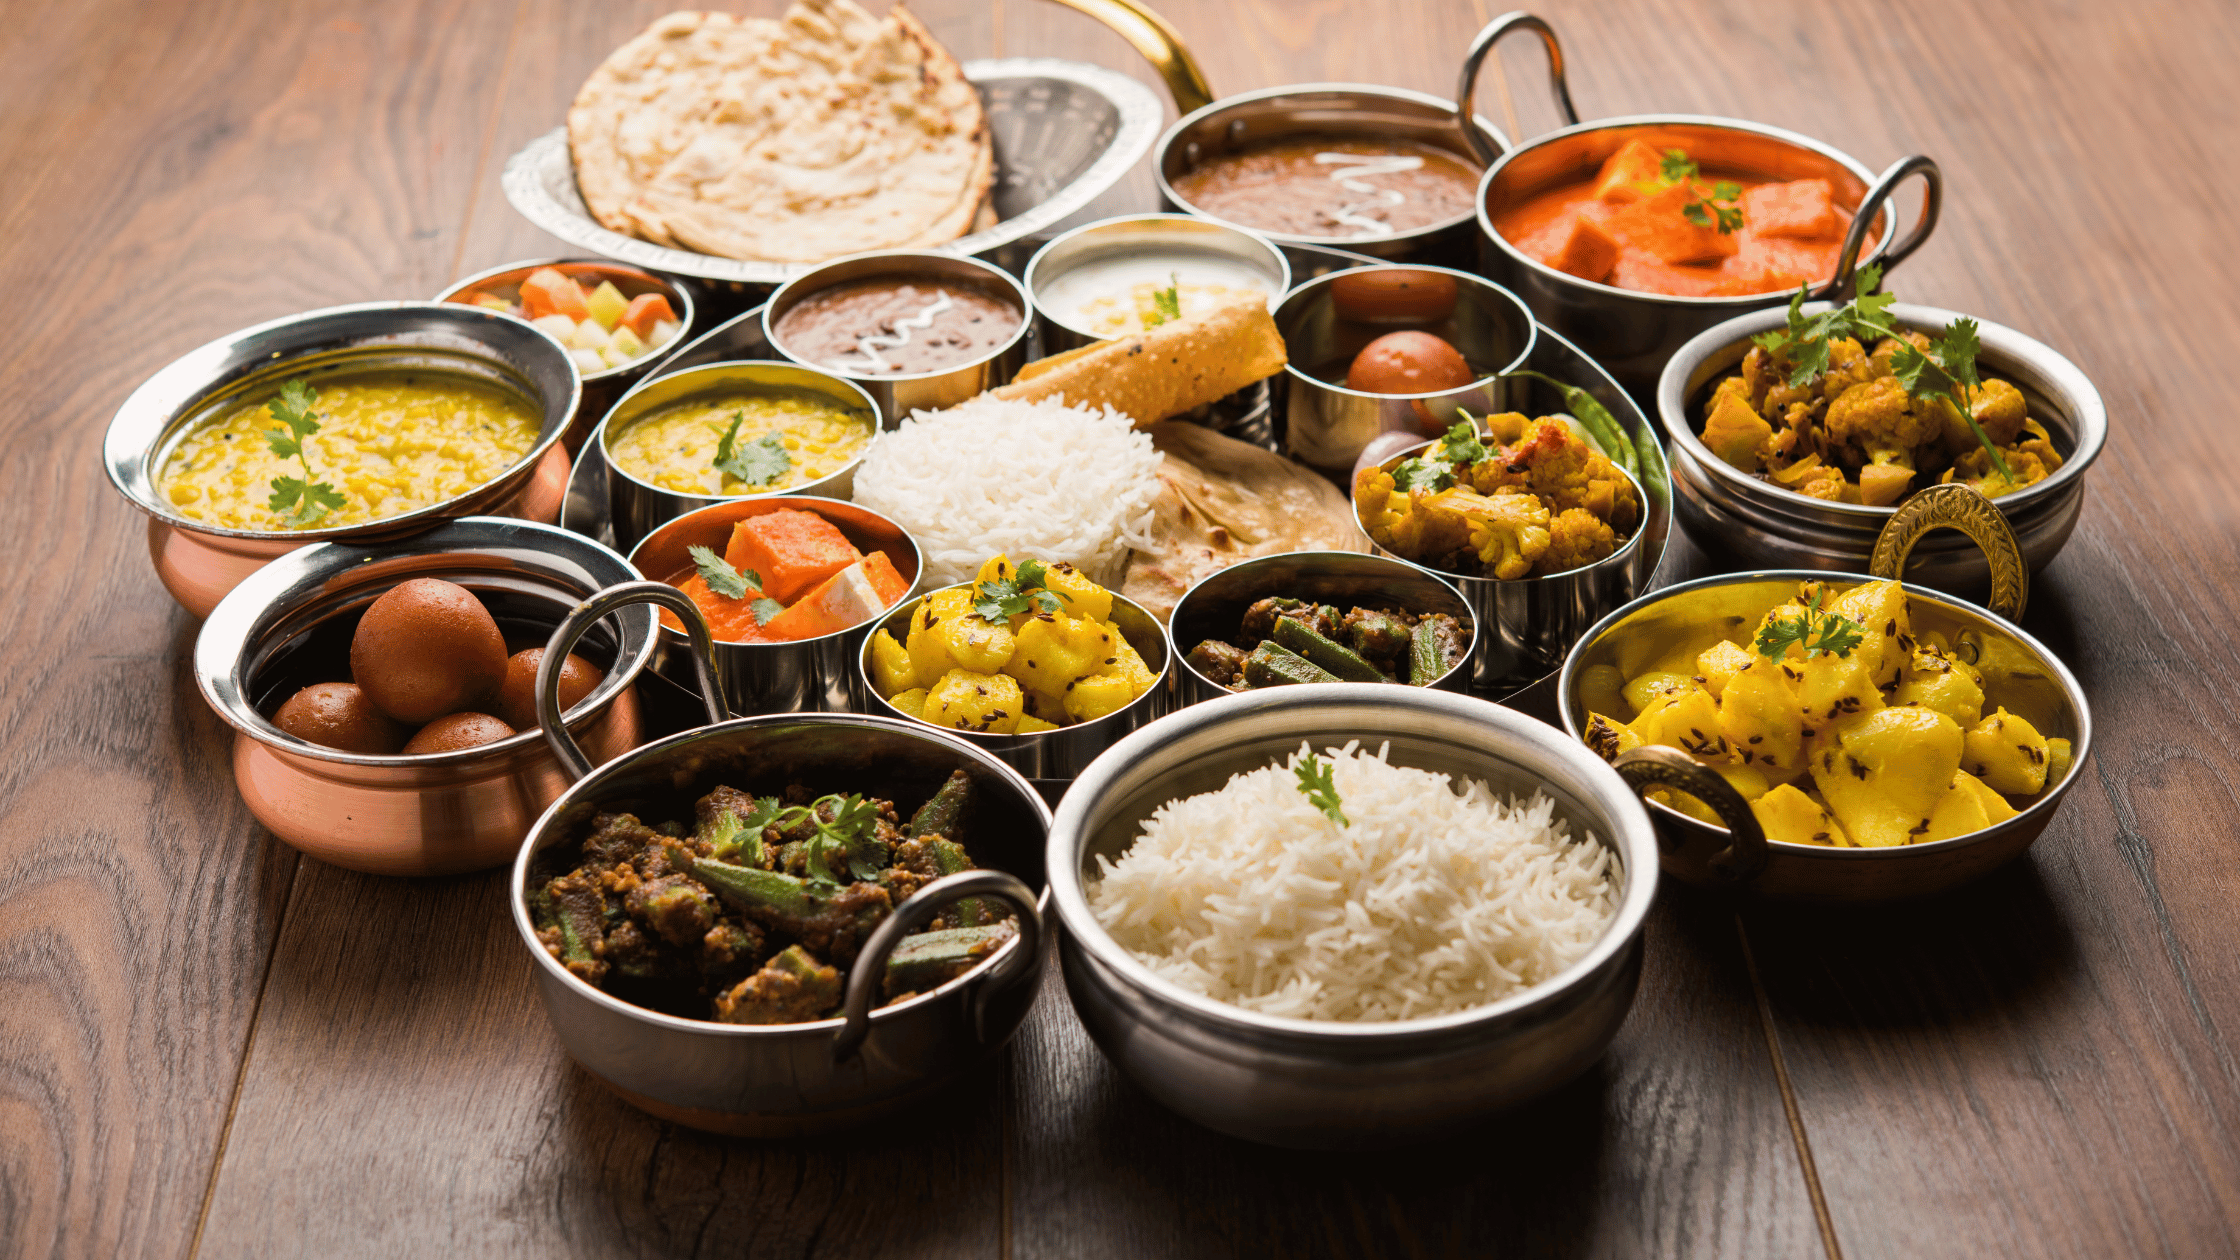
x=210, y=1046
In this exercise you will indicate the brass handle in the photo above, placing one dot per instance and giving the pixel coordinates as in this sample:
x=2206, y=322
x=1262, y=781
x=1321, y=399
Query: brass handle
x=1839, y=286
x=870, y=969
x=1658, y=766
x=570, y=755
x=1160, y=44
x=1954, y=506
x=1472, y=62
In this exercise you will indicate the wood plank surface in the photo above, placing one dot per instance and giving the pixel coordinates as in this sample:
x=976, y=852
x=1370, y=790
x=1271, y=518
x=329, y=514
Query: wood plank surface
x=211, y=1047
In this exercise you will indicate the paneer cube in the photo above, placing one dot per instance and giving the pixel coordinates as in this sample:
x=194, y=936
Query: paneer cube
x=1804, y=209
x=1658, y=225
x=1720, y=662
x=1588, y=251
x=2007, y=753
x=793, y=551
x=969, y=701
x=1631, y=173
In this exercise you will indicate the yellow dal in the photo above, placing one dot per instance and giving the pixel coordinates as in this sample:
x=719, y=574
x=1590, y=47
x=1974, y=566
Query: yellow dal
x=391, y=442
x=675, y=448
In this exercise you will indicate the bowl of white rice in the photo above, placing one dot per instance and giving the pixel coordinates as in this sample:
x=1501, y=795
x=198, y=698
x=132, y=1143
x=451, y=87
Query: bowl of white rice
x=1331, y=916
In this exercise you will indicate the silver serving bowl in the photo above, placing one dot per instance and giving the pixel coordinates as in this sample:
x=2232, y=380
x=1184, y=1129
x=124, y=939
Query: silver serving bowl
x=808, y=675
x=1046, y=756
x=199, y=563
x=1213, y=608
x=897, y=395
x=1765, y=525
x=2033, y=684
x=1309, y=1083
x=289, y=625
x=1327, y=424
x=1132, y=237
x=637, y=507
x=1064, y=133
x=785, y=1080
x=1633, y=334
x=602, y=388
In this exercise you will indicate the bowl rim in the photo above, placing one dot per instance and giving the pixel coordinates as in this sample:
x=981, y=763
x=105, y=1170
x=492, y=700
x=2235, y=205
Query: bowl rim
x=1027, y=276
x=224, y=639
x=1174, y=132
x=1635, y=849
x=2048, y=799
x=598, y=435
x=517, y=892
x=886, y=710
x=667, y=284
x=1623, y=554
x=1737, y=302
x=797, y=502
x=1470, y=648
x=2080, y=402
x=799, y=289
x=1522, y=358
x=188, y=379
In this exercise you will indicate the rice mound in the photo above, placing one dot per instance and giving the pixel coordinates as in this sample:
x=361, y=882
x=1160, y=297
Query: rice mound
x=1038, y=479
x=1430, y=900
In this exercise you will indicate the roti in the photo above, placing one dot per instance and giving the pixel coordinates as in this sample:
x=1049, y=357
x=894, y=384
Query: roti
x=828, y=132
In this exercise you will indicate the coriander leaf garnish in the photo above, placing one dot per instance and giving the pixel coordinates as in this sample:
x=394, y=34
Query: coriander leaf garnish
x=303, y=499
x=734, y=583
x=1718, y=202
x=1948, y=371
x=1812, y=630
x=1805, y=341
x=1166, y=304
x=1004, y=599
x=756, y=463
x=1033, y=572
x=853, y=821
x=1318, y=783
x=1461, y=445
x=1422, y=473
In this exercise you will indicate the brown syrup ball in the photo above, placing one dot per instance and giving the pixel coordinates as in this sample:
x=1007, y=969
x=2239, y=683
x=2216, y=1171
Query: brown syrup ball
x=517, y=699
x=337, y=715
x=1408, y=363
x=427, y=648
x=455, y=731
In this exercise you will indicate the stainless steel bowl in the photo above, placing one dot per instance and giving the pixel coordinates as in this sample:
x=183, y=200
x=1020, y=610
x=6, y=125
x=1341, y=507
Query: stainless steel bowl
x=899, y=395
x=785, y=1080
x=1327, y=424
x=2036, y=686
x=199, y=563
x=1308, y=1083
x=1763, y=524
x=1131, y=237
x=1213, y=608
x=636, y=507
x=600, y=389
x=809, y=675
x=289, y=625
x=1047, y=756
x=1633, y=334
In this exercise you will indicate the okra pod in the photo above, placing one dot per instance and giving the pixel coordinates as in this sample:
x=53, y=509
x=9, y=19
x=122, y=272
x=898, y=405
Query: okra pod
x=951, y=858
x=1427, y=658
x=1273, y=665
x=941, y=814
x=931, y=959
x=1336, y=658
x=751, y=888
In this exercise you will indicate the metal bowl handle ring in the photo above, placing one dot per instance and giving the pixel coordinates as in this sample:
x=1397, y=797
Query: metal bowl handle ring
x=1160, y=44
x=1954, y=506
x=1658, y=766
x=1466, y=92
x=1871, y=207
x=570, y=755
x=870, y=967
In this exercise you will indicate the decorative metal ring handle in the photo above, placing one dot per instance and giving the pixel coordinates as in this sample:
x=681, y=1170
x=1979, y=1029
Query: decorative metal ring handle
x=1839, y=286
x=1474, y=61
x=1955, y=506
x=1658, y=766
x=1160, y=44
x=573, y=762
x=870, y=969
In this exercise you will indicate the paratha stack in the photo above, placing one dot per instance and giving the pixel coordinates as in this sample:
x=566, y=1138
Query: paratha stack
x=829, y=132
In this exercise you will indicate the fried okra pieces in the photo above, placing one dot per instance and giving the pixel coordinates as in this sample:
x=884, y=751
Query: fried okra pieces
x=792, y=988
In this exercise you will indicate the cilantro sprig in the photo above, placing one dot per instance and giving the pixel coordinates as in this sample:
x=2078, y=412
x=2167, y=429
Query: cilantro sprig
x=1805, y=341
x=1435, y=472
x=1318, y=783
x=756, y=463
x=1813, y=630
x=1721, y=202
x=853, y=821
x=1003, y=599
x=1948, y=371
x=733, y=584
x=303, y=500
x=1166, y=304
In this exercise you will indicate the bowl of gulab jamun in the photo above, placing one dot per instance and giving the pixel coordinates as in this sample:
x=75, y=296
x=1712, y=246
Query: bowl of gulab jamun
x=383, y=698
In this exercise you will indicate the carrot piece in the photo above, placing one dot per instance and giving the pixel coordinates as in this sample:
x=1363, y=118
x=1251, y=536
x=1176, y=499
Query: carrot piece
x=845, y=599
x=792, y=550
x=885, y=578
x=548, y=291
x=1635, y=171
x=1657, y=226
x=644, y=311
x=1588, y=251
x=1801, y=208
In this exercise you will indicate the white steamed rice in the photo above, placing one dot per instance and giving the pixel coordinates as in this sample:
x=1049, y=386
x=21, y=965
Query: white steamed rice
x=1039, y=479
x=1431, y=901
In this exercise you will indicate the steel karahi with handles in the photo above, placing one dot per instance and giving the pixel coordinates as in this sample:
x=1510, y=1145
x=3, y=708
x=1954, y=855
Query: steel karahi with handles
x=781, y=1080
